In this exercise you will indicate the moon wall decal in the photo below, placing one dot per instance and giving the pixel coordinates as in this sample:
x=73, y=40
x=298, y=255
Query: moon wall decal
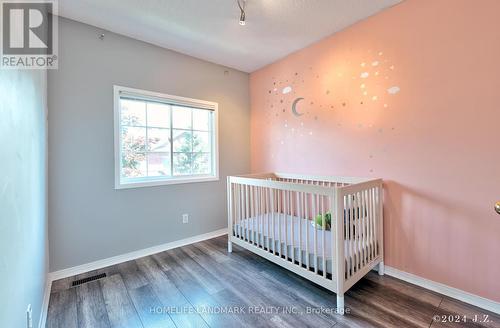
x=294, y=107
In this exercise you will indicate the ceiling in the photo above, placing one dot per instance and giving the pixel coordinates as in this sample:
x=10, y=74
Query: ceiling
x=209, y=29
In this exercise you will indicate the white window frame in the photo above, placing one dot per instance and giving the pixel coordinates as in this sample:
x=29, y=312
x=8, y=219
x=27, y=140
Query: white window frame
x=172, y=100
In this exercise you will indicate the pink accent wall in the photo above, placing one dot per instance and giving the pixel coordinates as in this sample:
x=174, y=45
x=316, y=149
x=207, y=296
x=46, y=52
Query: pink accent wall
x=435, y=139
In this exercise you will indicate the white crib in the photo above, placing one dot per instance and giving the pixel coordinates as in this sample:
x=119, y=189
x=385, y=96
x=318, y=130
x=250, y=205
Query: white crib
x=276, y=216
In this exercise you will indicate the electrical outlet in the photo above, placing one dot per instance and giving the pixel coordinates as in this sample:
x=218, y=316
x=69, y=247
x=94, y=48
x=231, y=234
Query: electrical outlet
x=185, y=218
x=29, y=317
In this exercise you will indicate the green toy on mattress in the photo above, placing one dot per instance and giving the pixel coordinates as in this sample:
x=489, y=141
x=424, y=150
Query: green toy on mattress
x=328, y=221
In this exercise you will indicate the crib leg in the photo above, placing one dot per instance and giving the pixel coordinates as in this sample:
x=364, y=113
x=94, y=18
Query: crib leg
x=340, y=304
x=229, y=246
x=381, y=269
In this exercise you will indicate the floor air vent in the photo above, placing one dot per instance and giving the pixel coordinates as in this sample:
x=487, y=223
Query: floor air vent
x=88, y=279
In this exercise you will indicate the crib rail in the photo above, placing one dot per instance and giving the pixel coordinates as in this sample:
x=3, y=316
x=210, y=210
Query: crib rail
x=326, y=229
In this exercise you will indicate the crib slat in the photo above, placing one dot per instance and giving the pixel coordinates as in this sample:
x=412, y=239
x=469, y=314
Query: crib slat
x=247, y=209
x=370, y=213
x=292, y=228
x=268, y=219
x=323, y=233
x=259, y=216
x=234, y=212
x=334, y=226
x=278, y=192
x=252, y=214
x=265, y=219
x=363, y=229
x=376, y=228
x=374, y=222
x=255, y=216
x=356, y=231
x=314, y=207
x=353, y=234
x=360, y=225
x=364, y=226
x=271, y=195
x=347, y=216
x=372, y=226
x=345, y=233
x=306, y=212
x=269, y=216
x=249, y=220
x=369, y=226
x=284, y=226
x=241, y=210
x=264, y=216
x=236, y=202
x=300, y=217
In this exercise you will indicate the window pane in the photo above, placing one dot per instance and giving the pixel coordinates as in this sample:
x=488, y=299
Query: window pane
x=133, y=165
x=158, y=140
x=181, y=117
x=133, y=112
x=201, y=119
x=201, y=163
x=133, y=139
x=201, y=142
x=183, y=141
x=182, y=164
x=133, y=147
x=158, y=115
x=158, y=164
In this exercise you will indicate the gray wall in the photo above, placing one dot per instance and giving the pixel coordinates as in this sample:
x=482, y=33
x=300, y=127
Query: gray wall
x=23, y=210
x=88, y=219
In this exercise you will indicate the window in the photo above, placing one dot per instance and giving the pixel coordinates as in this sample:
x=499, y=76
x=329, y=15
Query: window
x=162, y=139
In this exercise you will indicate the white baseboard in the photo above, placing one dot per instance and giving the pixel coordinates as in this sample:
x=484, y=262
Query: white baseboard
x=452, y=292
x=69, y=272
x=45, y=304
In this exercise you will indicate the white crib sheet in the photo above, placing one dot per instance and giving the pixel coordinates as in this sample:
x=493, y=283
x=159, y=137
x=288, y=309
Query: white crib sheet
x=262, y=226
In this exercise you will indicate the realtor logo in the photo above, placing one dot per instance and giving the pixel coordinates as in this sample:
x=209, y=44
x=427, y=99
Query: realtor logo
x=29, y=34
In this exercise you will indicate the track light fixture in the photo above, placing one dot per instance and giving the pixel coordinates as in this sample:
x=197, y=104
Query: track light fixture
x=241, y=5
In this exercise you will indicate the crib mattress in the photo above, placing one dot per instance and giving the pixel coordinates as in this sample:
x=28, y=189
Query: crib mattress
x=258, y=229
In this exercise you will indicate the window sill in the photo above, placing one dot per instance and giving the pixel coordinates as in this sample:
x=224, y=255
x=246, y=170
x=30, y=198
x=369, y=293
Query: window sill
x=164, y=182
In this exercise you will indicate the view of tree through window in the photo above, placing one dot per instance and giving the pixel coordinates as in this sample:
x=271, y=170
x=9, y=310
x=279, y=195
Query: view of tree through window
x=162, y=140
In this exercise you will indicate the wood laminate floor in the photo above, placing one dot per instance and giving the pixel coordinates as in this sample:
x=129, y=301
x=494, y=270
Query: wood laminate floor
x=201, y=285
